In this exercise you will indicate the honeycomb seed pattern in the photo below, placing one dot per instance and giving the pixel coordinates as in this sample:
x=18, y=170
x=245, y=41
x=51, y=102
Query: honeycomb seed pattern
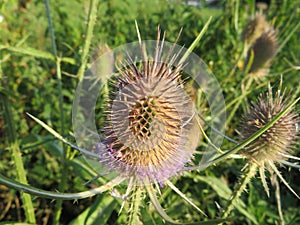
x=141, y=118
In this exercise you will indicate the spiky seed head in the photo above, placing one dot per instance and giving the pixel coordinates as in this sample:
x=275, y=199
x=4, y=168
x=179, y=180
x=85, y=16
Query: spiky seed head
x=254, y=29
x=279, y=139
x=151, y=131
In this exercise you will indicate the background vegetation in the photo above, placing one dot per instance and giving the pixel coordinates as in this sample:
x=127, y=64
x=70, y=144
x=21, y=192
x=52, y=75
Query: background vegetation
x=29, y=83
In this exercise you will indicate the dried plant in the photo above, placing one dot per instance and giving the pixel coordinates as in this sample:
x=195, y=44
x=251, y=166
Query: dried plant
x=260, y=42
x=275, y=145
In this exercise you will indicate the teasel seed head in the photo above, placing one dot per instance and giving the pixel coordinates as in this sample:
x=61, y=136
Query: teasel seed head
x=264, y=50
x=151, y=132
x=279, y=140
x=254, y=29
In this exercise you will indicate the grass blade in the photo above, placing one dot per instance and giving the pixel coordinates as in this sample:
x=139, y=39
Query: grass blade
x=17, y=157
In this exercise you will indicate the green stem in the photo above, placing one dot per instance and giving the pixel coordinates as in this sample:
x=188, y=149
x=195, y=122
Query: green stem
x=17, y=158
x=240, y=98
x=296, y=93
x=236, y=106
x=195, y=42
x=245, y=90
x=234, y=68
x=56, y=195
x=134, y=217
x=64, y=173
x=277, y=195
x=63, y=182
x=241, y=187
x=236, y=16
x=88, y=37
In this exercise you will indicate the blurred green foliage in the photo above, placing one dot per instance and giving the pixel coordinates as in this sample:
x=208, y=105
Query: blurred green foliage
x=30, y=84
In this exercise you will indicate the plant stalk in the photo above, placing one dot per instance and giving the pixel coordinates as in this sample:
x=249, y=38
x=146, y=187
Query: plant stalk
x=237, y=193
x=17, y=158
x=57, y=195
x=63, y=182
x=88, y=37
x=134, y=217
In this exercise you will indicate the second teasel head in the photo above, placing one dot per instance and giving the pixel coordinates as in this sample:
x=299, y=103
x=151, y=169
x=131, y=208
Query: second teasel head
x=279, y=140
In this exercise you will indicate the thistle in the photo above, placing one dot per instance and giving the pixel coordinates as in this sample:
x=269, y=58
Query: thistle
x=151, y=130
x=275, y=145
x=263, y=51
x=272, y=147
x=150, y=121
x=279, y=139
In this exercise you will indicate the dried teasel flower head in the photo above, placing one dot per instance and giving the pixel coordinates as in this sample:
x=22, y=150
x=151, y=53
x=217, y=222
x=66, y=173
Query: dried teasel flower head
x=260, y=47
x=278, y=141
x=254, y=29
x=150, y=129
x=275, y=144
x=151, y=132
x=263, y=51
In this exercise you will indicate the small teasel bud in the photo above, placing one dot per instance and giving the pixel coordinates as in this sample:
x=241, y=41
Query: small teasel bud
x=277, y=142
x=260, y=47
x=254, y=29
x=264, y=49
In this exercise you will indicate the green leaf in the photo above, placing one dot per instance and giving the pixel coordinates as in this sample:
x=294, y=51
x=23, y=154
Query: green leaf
x=14, y=223
x=148, y=218
x=162, y=213
x=224, y=192
x=55, y=195
x=36, y=53
x=98, y=213
x=29, y=51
